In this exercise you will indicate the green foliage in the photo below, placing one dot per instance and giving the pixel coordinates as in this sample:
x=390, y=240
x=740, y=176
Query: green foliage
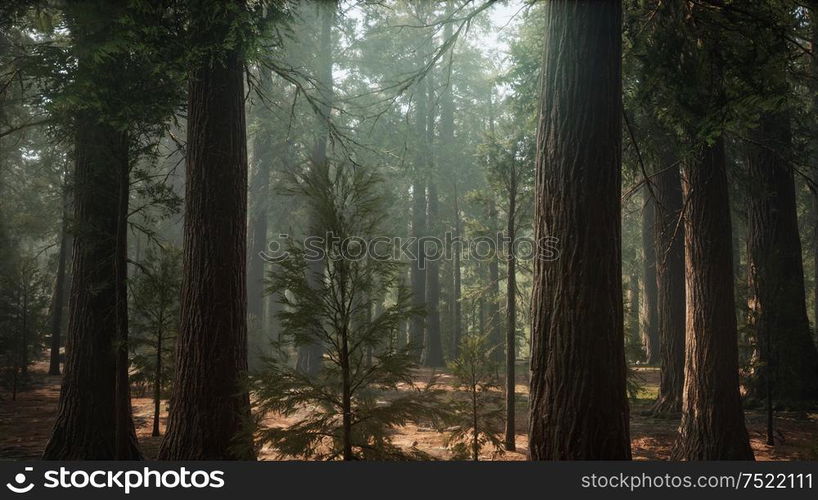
x=154, y=315
x=23, y=313
x=477, y=420
x=328, y=300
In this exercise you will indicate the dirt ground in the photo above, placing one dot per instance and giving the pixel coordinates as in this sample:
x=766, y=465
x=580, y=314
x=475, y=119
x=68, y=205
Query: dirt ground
x=25, y=425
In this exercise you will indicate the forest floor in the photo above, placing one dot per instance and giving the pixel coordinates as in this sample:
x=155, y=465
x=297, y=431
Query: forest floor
x=25, y=425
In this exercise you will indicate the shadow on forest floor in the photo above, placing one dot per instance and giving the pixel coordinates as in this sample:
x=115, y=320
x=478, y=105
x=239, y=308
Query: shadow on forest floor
x=25, y=425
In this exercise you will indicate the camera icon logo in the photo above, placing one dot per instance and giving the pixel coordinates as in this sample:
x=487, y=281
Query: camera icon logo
x=20, y=480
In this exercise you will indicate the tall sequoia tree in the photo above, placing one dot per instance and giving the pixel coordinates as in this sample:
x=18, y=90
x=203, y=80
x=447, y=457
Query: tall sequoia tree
x=210, y=406
x=786, y=355
x=670, y=274
x=712, y=426
x=579, y=407
x=94, y=416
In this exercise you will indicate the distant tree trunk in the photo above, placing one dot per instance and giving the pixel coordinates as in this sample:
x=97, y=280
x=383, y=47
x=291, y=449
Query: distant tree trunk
x=210, y=406
x=432, y=346
x=310, y=356
x=259, y=196
x=432, y=355
x=670, y=272
x=579, y=406
x=633, y=308
x=650, y=330
x=511, y=314
x=59, y=290
x=157, y=385
x=495, y=332
x=419, y=222
x=93, y=417
x=785, y=354
x=712, y=426
x=457, y=301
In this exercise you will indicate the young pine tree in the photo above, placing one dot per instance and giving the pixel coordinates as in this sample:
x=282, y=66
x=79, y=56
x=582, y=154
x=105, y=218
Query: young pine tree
x=362, y=388
x=155, y=322
x=479, y=419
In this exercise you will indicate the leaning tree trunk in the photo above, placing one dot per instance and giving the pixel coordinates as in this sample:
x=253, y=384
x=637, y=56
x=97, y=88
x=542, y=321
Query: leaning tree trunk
x=93, y=416
x=649, y=330
x=579, y=406
x=670, y=273
x=787, y=360
x=712, y=426
x=210, y=406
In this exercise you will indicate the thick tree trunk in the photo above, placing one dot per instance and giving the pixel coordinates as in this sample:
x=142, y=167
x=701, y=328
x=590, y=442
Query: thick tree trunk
x=579, y=406
x=59, y=290
x=419, y=223
x=650, y=330
x=670, y=272
x=210, y=406
x=786, y=358
x=85, y=427
x=712, y=426
x=93, y=417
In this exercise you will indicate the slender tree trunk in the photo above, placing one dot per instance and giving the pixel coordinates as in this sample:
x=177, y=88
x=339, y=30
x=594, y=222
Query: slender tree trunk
x=633, y=307
x=787, y=360
x=59, y=290
x=259, y=196
x=157, y=385
x=511, y=315
x=432, y=355
x=457, y=286
x=670, y=272
x=123, y=424
x=650, y=330
x=495, y=333
x=432, y=346
x=579, y=406
x=419, y=223
x=712, y=426
x=346, y=398
x=210, y=405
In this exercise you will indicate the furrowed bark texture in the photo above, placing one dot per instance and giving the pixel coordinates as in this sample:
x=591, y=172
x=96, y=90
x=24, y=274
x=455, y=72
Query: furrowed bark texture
x=785, y=351
x=579, y=407
x=210, y=406
x=712, y=426
x=670, y=273
x=93, y=417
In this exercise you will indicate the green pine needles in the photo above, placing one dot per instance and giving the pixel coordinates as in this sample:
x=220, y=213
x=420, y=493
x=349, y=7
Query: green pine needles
x=337, y=297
